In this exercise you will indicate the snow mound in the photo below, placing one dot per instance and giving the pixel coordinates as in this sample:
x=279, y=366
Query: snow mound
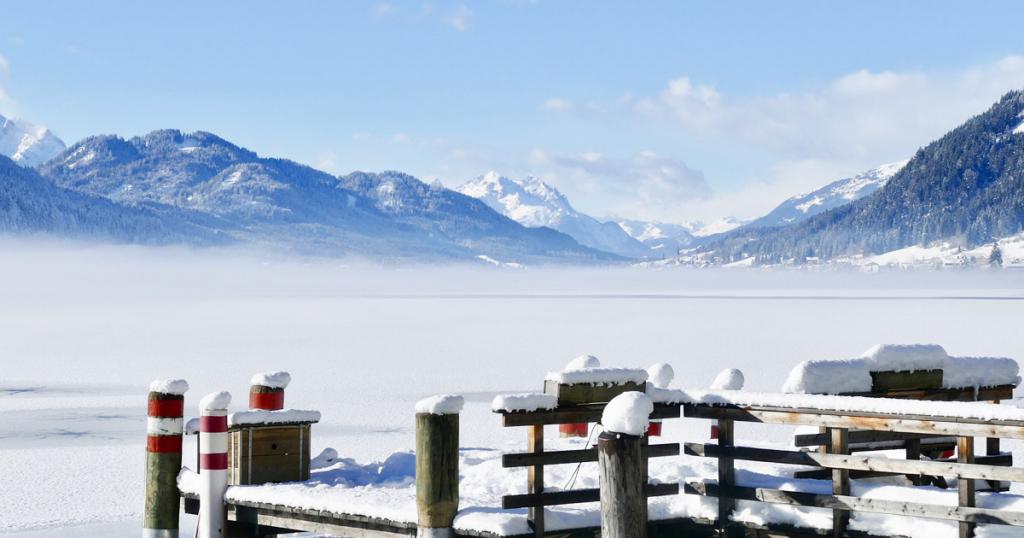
x=728, y=379
x=852, y=404
x=257, y=417
x=326, y=458
x=627, y=413
x=274, y=380
x=169, y=386
x=854, y=375
x=583, y=361
x=523, y=402
x=596, y=376
x=215, y=401
x=444, y=404
x=661, y=374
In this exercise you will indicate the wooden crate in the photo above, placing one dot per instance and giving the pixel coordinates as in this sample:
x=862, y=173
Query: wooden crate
x=584, y=393
x=916, y=380
x=268, y=453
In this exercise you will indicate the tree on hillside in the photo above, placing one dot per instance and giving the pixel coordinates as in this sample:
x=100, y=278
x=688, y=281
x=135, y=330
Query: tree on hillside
x=995, y=258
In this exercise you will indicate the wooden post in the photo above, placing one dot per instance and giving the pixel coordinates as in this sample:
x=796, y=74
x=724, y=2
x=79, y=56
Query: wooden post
x=726, y=475
x=437, y=467
x=163, y=457
x=535, y=477
x=965, y=486
x=213, y=464
x=266, y=390
x=993, y=448
x=623, y=504
x=840, y=444
x=914, y=453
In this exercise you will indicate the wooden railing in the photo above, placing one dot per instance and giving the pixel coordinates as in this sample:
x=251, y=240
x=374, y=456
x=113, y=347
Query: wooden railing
x=536, y=458
x=840, y=463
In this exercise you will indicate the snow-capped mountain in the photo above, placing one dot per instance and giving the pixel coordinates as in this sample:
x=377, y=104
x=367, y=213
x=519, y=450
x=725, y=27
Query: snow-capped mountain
x=662, y=238
x=283, y=204
x=27, y=144
x=835, y=194
x=703, y=229
x=533, y=203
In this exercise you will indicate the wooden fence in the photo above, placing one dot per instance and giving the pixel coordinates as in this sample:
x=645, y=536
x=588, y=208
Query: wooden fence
x=840, y=463
x=536, y=458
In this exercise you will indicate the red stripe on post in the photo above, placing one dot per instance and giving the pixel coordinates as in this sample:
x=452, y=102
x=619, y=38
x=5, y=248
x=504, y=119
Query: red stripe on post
x=270, y=401
x=166, y=408
x=213, y=462
x=163, y=444
x=213, y=424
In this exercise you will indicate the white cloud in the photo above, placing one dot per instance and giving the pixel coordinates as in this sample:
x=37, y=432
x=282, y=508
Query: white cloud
x=864, y=116
x=383, y=9
x=360, y=136
x=459, y=18
x=557, y=104
x=7, y=105
x=401, y=138
x=647, y=185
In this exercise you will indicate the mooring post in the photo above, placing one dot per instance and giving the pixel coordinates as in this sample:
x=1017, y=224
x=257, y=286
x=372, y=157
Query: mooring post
x=163, y=457
x=437, y=465
x=266, y=390
x=621, y=466
x=213, y=464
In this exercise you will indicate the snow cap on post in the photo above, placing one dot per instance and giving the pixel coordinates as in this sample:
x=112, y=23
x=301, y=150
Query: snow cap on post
x=661, y=374
x=583, y=361
x=728, y=379
x=215, y=401
x=628, y=413
x=169, y=386
x=442, y=404
x=274, y=380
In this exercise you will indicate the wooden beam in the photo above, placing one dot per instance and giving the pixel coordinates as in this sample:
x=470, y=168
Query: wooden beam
x=1000, y=461
x=968, y=394
x=864, y=421
x=858, y=437
x=575, y=414
x=575, y=496
x=559, y=457
x=856, y=504
x=535, y=479
x=860, y=463
x=840, y=445
x=965, y=486
x=726, y=470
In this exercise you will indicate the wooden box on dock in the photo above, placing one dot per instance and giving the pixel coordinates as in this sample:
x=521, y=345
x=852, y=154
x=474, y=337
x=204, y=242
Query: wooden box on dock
x=584, y=393
x=258, y=454
x=882, y=382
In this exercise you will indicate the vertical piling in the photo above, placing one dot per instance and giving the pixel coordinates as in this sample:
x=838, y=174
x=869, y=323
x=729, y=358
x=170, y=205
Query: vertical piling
x=213, y=464
x=437, y=465
x=622, y=466
x=163, y=457
x=266, y=390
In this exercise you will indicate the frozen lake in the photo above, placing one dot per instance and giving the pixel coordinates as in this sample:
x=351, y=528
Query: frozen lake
x=84, y=330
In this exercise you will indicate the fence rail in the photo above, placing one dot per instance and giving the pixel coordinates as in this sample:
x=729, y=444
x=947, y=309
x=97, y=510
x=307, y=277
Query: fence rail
x=839, y=463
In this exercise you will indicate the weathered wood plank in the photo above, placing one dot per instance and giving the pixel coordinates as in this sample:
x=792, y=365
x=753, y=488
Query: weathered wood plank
x=966, y=394
x=840, y=480
x=965, y=486
x=575, y=496
x=575, y=414
x=535, y=479
x=856, y=504
x=863, y=421
x=861, y=463
x=858, y=437
x=585, y=455
x=726, y=470
x=900, y=381
x=585, y=393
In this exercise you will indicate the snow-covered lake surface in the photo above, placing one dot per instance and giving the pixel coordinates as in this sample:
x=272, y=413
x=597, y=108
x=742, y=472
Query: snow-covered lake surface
x=84, y=330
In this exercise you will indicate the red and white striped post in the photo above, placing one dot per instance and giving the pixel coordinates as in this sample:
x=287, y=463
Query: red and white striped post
x=213, y=464
x=267, y=390
x=163, y=457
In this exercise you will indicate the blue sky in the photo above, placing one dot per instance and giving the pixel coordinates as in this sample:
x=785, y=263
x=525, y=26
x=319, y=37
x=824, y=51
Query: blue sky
x=661, y=110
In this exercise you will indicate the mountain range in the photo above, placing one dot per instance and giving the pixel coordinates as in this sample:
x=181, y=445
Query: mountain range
x=966, y=188
x=234, y=193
